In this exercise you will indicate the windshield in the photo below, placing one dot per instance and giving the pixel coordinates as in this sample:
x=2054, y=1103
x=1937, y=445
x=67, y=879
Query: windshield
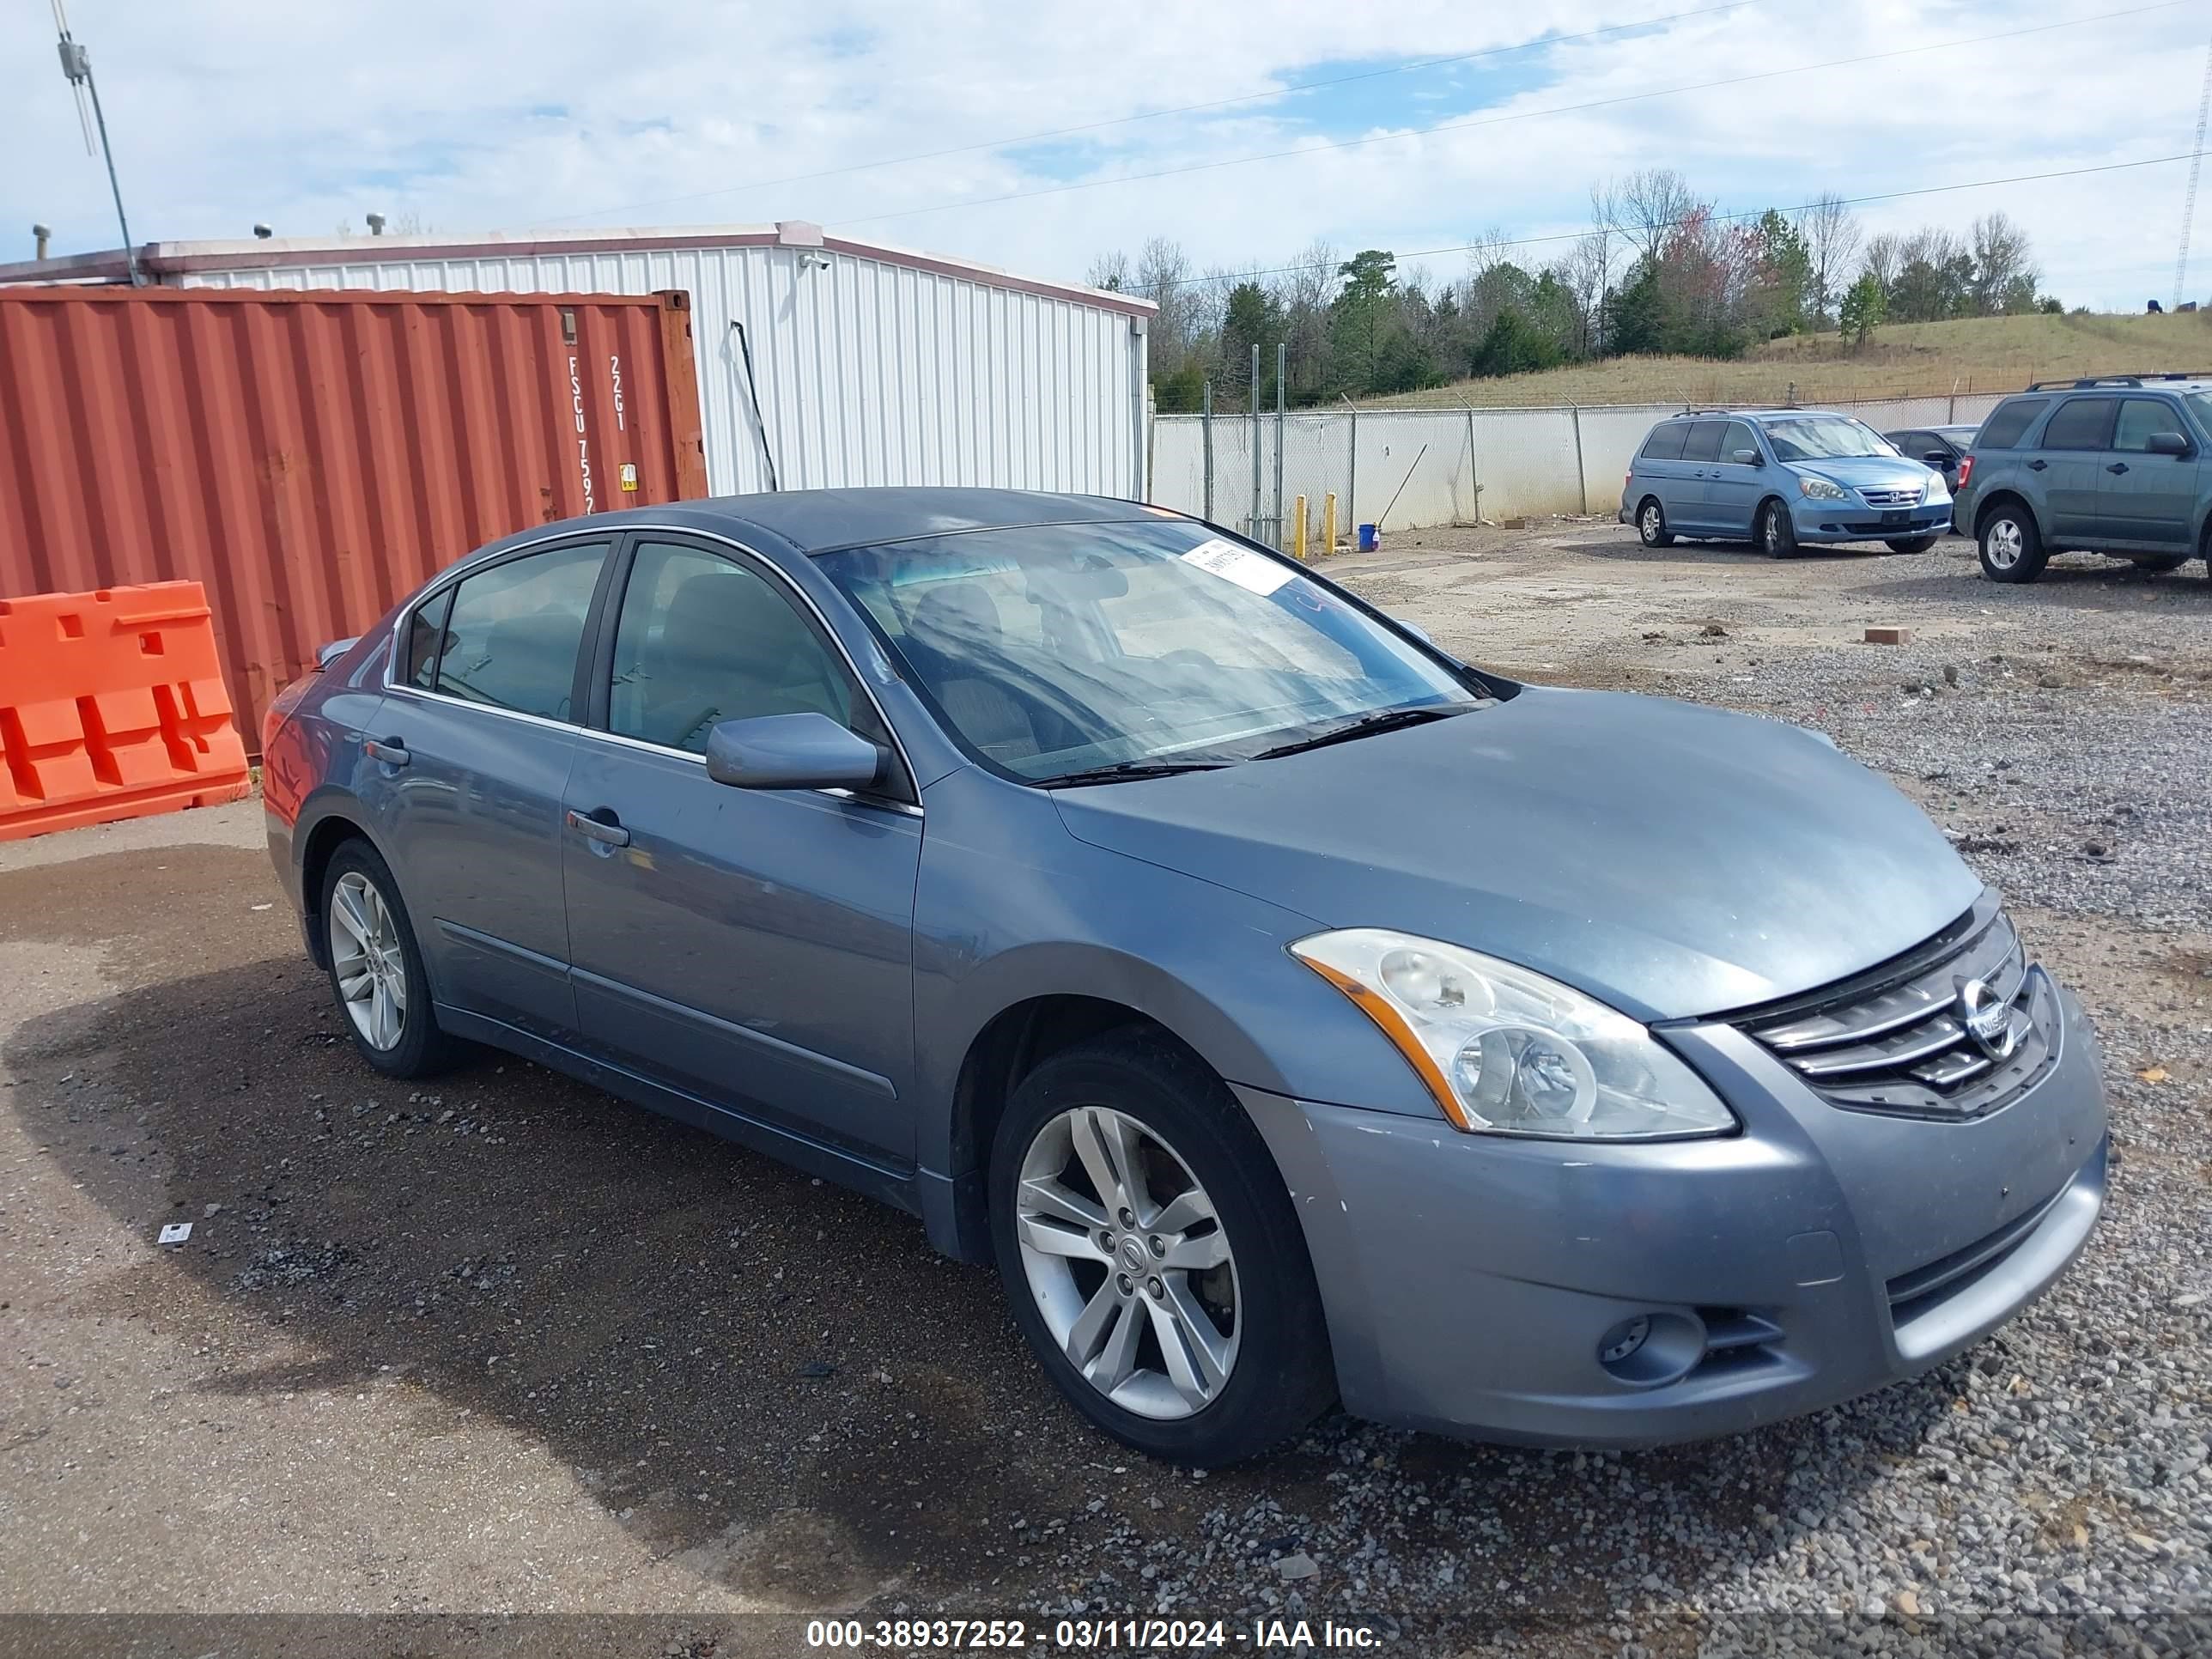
x=1823, y=438
x=1060, y=649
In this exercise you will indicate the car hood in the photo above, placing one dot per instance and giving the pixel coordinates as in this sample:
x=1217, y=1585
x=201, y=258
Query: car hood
x=1671, y=860
x=1872, y=472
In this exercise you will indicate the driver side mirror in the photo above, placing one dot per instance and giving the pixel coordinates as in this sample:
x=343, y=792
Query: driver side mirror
x=1747, y=457
x=791, y=751
x=2169, y=443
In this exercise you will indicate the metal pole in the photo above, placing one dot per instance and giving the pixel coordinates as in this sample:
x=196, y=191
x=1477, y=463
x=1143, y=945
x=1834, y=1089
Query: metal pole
x=1252, y=518
x=76, y=67
x=1474, y=472
x=1352, y=475
x=1206, y=428
x=1282, y=361
x=1582, y=476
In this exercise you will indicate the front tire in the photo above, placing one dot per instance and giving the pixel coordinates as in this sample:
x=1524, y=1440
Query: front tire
x=1910, y=544
x=1651, y=525
x=2011, y=545
x=1777, y=531
x=1151, y=1254
x=376, y=967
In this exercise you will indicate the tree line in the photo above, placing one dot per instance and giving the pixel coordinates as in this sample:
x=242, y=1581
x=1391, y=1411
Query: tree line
x=1660, y=270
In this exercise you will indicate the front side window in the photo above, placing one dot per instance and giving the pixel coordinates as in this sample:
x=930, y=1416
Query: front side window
x=2139, y=418
x=1737, y=436
x=2007, y=424
x=704, y=639
x=512, y=635
x=1823, y=438
x=1057, y=650
x=2080, y=423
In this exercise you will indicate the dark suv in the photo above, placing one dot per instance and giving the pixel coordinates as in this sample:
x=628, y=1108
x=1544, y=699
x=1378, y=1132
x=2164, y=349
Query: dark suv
x=2114, y=464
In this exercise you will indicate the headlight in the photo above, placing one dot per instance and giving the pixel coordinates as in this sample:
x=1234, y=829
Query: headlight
x=1820, y=489
x=1508, y=1052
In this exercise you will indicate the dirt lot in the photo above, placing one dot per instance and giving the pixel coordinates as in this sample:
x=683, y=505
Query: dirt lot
x=506, y=1348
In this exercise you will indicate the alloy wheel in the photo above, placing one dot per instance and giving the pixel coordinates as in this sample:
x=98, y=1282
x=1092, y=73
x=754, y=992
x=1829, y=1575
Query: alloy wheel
x=1650, y=524
x=372, y=970
x=2004, y=543
x=1128, y=1262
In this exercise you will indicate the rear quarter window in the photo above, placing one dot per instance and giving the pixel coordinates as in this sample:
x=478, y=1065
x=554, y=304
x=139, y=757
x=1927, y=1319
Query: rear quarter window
x=1665, y=443
x=2008, y=422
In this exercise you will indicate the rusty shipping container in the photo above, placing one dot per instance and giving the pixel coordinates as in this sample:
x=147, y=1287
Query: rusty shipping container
x=309, y=456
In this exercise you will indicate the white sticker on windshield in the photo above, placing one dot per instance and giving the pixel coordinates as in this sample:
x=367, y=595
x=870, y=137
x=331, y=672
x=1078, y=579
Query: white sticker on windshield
x=1238, y=564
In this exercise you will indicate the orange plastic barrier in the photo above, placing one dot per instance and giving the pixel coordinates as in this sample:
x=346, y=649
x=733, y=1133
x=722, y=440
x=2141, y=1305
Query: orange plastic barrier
x=111, y=706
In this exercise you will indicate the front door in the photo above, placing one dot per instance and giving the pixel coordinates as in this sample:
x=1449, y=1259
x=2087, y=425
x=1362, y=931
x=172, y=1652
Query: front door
x=752, y=948
x=2071, y=463
x=2148, y=499
x=1733, y=488
x=473, y=742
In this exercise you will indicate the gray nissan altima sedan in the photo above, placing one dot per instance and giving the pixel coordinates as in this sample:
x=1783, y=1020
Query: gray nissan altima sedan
x=1290, y=1011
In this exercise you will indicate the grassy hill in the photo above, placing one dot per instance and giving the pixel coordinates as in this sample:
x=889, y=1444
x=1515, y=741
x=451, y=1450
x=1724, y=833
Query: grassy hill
x=1905, y=360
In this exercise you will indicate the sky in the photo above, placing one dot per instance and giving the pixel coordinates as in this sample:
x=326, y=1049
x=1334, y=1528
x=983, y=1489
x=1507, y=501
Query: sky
x=518, y=114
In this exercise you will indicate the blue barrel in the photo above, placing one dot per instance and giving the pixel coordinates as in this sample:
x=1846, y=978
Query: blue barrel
x=1370, y=538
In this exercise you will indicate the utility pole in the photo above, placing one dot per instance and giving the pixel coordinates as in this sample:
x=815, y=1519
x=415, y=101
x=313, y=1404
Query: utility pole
x=77, y=66
x=2196, y=166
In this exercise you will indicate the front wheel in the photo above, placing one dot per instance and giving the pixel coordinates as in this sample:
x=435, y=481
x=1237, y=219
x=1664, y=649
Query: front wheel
x=1151, y=1254
x=1651, y=525
x=1910, y=544
x=2011, y=545
x=1777, y=532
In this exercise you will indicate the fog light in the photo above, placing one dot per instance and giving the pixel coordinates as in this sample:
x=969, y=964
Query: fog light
x=1624, y=1339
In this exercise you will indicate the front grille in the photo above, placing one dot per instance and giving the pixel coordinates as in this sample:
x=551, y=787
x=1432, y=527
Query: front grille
x=1892, y=1040
x=1893, y=497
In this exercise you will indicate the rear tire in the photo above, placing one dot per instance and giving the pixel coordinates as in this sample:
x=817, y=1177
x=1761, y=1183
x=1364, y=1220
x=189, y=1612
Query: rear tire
x=1200, y=1184
x=1910, y=544
x=1651, y=524
x=2011, y=546
x=1775, y=530
x=376, y=968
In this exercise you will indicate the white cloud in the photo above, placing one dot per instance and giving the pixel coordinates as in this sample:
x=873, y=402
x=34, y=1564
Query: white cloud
x=504, y=114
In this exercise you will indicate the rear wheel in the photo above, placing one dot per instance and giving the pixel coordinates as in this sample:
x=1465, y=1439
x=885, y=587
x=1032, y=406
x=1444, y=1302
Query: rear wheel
x=2011, y=545
x=1911, y=543
x=1151, y=1254
x=1651, y=524
x=376, y=968
x=1776, y=532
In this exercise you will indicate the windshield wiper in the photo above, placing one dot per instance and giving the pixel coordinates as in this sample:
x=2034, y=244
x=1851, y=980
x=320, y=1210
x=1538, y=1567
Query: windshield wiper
x=1129, y=771
x=1367, y=725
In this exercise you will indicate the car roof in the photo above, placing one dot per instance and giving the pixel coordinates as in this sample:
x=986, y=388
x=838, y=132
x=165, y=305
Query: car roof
x=1760, y=414
x=810, y=522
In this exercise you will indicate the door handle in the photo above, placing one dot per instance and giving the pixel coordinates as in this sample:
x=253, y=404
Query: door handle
x=2117, y=466
x=603, y=830
x=2037, y=466
x=390, y=751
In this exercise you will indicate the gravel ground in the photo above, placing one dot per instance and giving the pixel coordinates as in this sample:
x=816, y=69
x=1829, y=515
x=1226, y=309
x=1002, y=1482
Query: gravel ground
x=505, y=1345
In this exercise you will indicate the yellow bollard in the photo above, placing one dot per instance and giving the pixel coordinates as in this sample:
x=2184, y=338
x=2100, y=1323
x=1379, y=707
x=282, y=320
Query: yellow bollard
x=1298, y=531
x=1329, y=524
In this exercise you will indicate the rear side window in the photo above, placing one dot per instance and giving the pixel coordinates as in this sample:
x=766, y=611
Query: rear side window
x=512, y=635
x=1703, y=443
x=1665, y=443
x=426, y=631
x=2080, y=423
x=2003, y=429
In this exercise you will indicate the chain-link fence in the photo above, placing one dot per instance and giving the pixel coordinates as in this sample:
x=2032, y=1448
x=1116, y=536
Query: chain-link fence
x=1401, y=469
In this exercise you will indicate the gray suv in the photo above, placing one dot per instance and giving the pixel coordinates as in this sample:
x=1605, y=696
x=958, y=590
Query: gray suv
x=2114, y=464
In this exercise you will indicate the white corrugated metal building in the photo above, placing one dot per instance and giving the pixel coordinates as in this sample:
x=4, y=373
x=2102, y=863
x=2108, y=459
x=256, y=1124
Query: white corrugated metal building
x=872, y=365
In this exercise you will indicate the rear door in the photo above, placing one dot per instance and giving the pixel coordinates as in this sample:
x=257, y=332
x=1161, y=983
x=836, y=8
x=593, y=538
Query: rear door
x=1734, y=488
x=2147, y=499
x=1688, y=507
x=2070, y=465
x=473, y=745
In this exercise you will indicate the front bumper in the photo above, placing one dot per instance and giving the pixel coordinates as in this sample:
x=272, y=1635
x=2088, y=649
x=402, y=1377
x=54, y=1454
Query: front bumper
x=1855, y=521
x=1471, y=1280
